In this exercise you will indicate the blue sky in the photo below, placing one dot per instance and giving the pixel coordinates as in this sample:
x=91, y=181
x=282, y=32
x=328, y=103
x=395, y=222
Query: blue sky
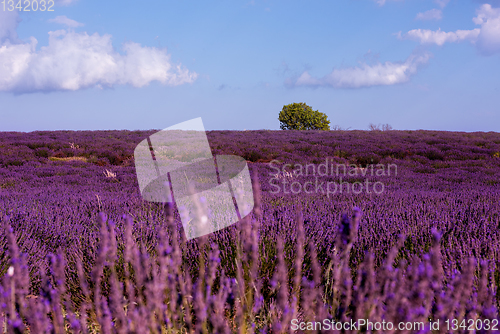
x=414, y=64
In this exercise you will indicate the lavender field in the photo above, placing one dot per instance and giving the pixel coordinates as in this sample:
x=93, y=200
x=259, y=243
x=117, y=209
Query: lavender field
x=82, y=252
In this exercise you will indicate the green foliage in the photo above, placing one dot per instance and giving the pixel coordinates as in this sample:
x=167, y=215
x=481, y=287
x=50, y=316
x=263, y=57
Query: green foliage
x=300, y=116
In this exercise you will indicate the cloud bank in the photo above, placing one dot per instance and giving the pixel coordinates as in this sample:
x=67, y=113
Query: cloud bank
x=486, y=38
x=76, y=60
x=365, y=75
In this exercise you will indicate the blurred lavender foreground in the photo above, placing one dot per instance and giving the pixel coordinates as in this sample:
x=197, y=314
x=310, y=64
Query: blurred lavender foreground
x=426, y=249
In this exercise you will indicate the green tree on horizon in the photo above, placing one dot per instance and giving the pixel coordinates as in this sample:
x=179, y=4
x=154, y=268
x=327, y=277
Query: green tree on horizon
x=300, y=116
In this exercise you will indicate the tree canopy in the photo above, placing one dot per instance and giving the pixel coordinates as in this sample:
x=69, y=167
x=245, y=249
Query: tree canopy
x=300, y=116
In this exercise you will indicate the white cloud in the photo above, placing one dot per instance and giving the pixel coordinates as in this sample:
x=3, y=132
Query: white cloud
x=383, y=2
x=491, y=2
x=65, y=2
x=365, y=75
x=380, y=2
x=486, y=38
x=439, y=37
x=66, y=21
x=433, y=14
x=73, y=61
x=8, y=25
x=441, y=3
